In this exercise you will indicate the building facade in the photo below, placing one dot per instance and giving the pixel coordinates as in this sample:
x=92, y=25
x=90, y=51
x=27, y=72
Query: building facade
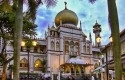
x=107, y=62
x=64, y=49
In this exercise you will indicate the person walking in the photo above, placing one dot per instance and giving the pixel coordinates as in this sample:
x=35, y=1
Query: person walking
x=92, y=77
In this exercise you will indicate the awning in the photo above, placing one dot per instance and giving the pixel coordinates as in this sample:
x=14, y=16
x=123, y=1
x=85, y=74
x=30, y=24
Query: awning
x=100, y=68
x=75, y=61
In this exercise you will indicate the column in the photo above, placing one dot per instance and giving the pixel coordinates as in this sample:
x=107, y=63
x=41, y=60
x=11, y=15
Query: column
x=59, y=75
x=48, y=62
x=31, y=62
x=61, y=44
x=81, y=48
x=49, y=43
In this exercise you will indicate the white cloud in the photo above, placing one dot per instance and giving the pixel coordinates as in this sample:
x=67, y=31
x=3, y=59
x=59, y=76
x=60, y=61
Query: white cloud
x=88, y=13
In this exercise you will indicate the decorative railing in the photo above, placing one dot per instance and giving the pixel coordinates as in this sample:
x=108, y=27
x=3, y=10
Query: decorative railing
x=72, y=56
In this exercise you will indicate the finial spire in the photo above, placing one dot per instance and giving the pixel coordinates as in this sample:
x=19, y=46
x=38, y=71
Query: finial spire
x=48, y=26
x=65, y=5
x=96, y=21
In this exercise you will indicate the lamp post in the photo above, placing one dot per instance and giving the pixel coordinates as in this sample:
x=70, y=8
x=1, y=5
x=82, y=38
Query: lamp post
x=28, y=44
x=98, y=39
x=99, y=71
x=107, y=71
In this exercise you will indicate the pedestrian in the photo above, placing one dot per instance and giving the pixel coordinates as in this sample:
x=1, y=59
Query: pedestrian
x=92, y=77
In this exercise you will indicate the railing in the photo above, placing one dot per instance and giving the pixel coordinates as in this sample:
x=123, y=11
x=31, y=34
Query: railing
x=38, y=69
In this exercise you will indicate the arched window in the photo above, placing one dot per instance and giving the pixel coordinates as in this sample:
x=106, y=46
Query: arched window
x=72, y=48
x=67, y=69
x=88, y=49
x=66, y=47
x=77, y=48
x=52, y=33
x=84, y=48
x=24, y=63
x=57, y=46
x=52, y=45
x=38, y=63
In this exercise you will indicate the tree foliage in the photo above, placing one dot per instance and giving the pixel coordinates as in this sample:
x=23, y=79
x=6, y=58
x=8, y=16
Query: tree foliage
x=29, y=28
x=17, y=7
x=7, y=33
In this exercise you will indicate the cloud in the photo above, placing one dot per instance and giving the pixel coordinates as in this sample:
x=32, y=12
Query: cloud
x=87, y=13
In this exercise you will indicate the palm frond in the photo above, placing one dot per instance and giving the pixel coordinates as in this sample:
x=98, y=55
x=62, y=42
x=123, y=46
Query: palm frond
x=32, y=7
x=5, y=6
x=38, y=2
x=50, y=3
x=14, y=6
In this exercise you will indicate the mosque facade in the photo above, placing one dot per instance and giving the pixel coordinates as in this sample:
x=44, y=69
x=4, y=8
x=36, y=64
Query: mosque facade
x=64, y=49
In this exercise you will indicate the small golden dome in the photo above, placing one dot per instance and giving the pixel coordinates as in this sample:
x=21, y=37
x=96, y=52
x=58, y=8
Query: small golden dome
x=66, y=16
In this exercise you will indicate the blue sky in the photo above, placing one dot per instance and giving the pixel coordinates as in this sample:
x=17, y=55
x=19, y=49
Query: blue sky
x=88, y=14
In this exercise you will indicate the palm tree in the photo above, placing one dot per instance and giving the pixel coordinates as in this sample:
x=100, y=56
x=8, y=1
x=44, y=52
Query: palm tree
x=18, y=7
x=114, y=25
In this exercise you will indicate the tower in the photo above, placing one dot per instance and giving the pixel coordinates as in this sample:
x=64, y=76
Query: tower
x=96, y=31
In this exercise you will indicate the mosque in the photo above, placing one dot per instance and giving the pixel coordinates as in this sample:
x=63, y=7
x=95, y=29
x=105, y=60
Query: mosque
x=64, y=49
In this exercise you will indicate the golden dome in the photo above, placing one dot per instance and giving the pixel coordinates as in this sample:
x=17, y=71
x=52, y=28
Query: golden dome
x=66, y=16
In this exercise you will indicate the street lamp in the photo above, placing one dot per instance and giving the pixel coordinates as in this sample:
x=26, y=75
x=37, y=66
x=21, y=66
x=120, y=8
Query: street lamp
x=107, y=71
x=111, y=39
x=28, y=44
x=98, y=40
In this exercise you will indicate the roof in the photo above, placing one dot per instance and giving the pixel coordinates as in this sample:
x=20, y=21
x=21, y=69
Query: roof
x=95, y=49
x=122, y=32
x=109, y=44
x=53, y=28
x=41, y=42
x=76, y=61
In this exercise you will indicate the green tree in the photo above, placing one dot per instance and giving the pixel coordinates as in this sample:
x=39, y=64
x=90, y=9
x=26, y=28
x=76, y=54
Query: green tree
x=114, y=25
x=7, y=32
x=44, y=65
x=17, y=6
x=29, y=28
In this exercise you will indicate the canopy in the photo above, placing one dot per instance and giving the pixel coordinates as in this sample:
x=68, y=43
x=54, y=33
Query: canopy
x=75, y=61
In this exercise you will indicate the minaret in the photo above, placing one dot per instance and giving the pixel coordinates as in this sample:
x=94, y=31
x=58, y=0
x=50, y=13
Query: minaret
x=96, y=31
